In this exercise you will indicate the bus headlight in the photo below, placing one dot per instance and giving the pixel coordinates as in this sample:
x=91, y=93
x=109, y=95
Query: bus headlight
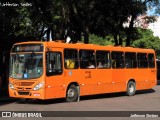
x=38, y=86
x=11, y=86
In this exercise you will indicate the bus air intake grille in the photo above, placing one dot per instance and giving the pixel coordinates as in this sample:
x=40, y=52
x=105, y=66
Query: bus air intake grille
x=23, y=93
x=24, y=83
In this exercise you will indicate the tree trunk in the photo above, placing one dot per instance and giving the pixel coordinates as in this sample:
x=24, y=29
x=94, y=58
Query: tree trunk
x=120, y=29
x=115, y=40
x=86, y=35
x=42, y=33
x=120, y=40
x=48, y=34
x=77, y=36
x=86, y=38
x=129, y=31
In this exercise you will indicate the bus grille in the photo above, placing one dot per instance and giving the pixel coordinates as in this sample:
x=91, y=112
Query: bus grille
x=24, y=83
x=23, y=93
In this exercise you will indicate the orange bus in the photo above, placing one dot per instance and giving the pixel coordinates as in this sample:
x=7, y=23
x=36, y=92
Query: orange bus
x=48, y=70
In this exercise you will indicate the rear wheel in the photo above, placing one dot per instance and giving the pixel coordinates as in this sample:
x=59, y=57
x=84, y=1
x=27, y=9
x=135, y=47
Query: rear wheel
x=72, y=94
x=131, y=88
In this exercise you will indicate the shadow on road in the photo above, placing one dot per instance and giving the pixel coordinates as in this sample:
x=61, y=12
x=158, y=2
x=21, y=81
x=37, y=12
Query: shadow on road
x=83, y=98
x=114, y=95
x=6, y=100
x=36, y=101
x=4, y=97
x=145, y=91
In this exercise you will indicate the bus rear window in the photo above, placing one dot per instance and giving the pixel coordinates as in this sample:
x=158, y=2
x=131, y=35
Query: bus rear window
x=151, y=60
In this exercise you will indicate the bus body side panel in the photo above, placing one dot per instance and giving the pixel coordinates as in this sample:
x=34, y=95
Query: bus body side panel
x=152, y=80
x=55, y=87
x=88, y=82
x=118, y=80
x=142, y=78
x=105, y=76
x=138, y=76
x=101, y=81
x=94, y=80
x=153, y=75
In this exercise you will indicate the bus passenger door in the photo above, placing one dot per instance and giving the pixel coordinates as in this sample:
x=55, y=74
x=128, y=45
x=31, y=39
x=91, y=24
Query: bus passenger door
x=55, y=87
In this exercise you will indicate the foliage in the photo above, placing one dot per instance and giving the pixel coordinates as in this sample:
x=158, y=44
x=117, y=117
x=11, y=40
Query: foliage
x=147, y=40
x=56, y=19
x=108, y=40
x=144, y=39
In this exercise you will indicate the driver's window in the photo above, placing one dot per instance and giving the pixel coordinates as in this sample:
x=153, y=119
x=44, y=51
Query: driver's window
x=54, y=63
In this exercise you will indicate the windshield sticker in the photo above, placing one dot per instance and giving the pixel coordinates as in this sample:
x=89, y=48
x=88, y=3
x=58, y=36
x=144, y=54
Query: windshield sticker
x=25, y=75
x=39, y=71
x=19, y=75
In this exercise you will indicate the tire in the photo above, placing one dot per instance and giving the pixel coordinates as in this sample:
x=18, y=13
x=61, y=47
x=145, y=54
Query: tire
x=72, y=94
x=131, y=88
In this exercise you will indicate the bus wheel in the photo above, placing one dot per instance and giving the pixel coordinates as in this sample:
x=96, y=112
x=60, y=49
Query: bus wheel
x=131, y=88
x=72, y=94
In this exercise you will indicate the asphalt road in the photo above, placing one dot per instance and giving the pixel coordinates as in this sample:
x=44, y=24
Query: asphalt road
x=148, y=100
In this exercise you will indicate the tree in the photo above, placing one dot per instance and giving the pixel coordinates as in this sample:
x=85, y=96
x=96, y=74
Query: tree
x=56, y=19
x=7, y=34
x=107, y=40
x=81, y=17
x=47, y=18
x=105, y=18
x=146, y=39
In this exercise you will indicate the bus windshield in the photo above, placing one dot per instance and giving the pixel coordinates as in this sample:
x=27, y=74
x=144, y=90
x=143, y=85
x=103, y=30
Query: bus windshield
x=26, y=66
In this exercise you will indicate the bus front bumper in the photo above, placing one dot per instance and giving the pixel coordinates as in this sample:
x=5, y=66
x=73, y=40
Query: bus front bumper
x=39, y=94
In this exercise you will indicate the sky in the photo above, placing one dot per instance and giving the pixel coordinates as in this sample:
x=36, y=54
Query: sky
x=151, y=11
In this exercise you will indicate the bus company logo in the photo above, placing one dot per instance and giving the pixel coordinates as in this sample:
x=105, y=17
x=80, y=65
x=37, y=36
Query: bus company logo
x=6, y=114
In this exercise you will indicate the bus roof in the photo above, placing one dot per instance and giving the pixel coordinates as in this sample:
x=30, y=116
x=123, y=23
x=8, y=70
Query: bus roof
x=86, y=46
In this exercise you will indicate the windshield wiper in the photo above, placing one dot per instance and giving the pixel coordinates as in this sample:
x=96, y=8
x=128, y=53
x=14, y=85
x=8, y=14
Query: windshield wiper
x=28, y=59
x=31, y=55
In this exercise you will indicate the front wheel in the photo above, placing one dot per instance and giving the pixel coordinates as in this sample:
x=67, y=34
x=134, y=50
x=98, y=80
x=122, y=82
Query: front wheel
x=72, y=94
x=131, y=88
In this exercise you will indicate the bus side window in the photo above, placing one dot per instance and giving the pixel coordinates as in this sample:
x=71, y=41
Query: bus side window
x=87, y=57
x=142, y=60
x=113, y=63
x=117, y=59
x=103, y=59
x=71, y=58
x=130, y=60
x=151, y=60
x=54, y=63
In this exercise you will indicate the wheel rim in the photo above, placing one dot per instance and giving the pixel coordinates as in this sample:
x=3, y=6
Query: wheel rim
x=131, y=88
x=71, y=93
